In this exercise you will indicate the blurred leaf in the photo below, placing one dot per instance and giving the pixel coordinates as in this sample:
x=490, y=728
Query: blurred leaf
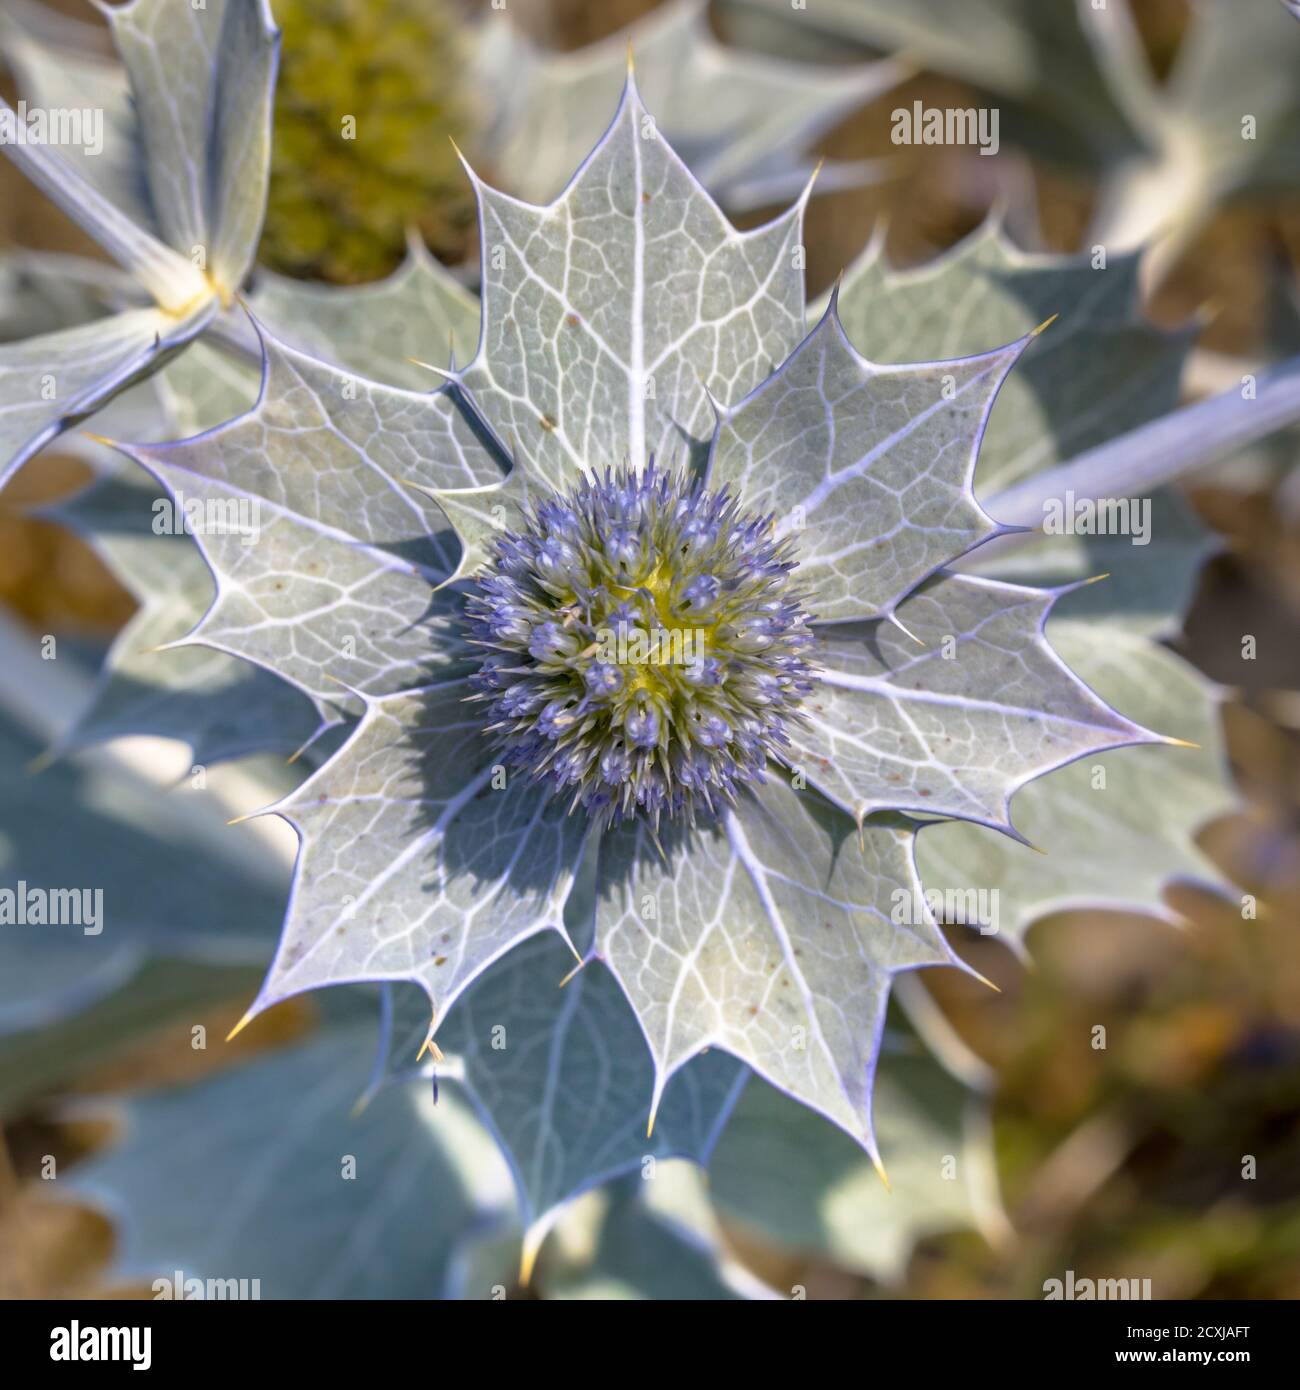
x=1073, y=83
x=167, y=889
x=178, y=898
x=201, y=81
x=1235, y=89
x=43, y=292
x=644, y=1238
x=36, y=1062
x=265, y=1172
x=1042, y=57
x=60, y=63
x=178, y=202
x=743, y=123
x=786, y=1175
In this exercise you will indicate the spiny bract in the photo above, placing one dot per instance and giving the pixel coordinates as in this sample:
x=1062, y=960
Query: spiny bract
x=645, y=646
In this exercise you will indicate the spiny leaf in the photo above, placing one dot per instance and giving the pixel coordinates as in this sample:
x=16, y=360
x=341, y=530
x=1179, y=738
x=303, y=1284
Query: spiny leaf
x=1136, y=812
x=779, y=936
x=421, y=311
x=336, y=584
x=221, y=707
x=1099, y=351
x=772, y=935
x=1114, y=829
x=189, y=689
x=200, y=390
x=1150, y=570
x=414, y=865
x=952, y=712
x=607, y=314
x=870, y=467
x=494, y=867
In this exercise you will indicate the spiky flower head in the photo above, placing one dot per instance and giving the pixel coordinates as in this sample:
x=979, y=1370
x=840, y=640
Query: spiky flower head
x=645, y=645
x=370, y=97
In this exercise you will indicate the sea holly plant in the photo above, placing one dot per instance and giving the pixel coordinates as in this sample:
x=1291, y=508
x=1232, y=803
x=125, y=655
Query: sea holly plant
x=649, y=651
x=662, y=460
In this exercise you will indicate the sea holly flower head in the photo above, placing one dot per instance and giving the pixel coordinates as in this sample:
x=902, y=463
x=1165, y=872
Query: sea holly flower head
x=686, y=569
x=646, y=647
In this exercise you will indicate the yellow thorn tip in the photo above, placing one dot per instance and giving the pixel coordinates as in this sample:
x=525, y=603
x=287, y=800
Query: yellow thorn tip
x=429, y=367
x=881, y=1174
x=571, y=974
x=241, y=1025
x=984, y=980
x=528, y=1259
x=432, y=1048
